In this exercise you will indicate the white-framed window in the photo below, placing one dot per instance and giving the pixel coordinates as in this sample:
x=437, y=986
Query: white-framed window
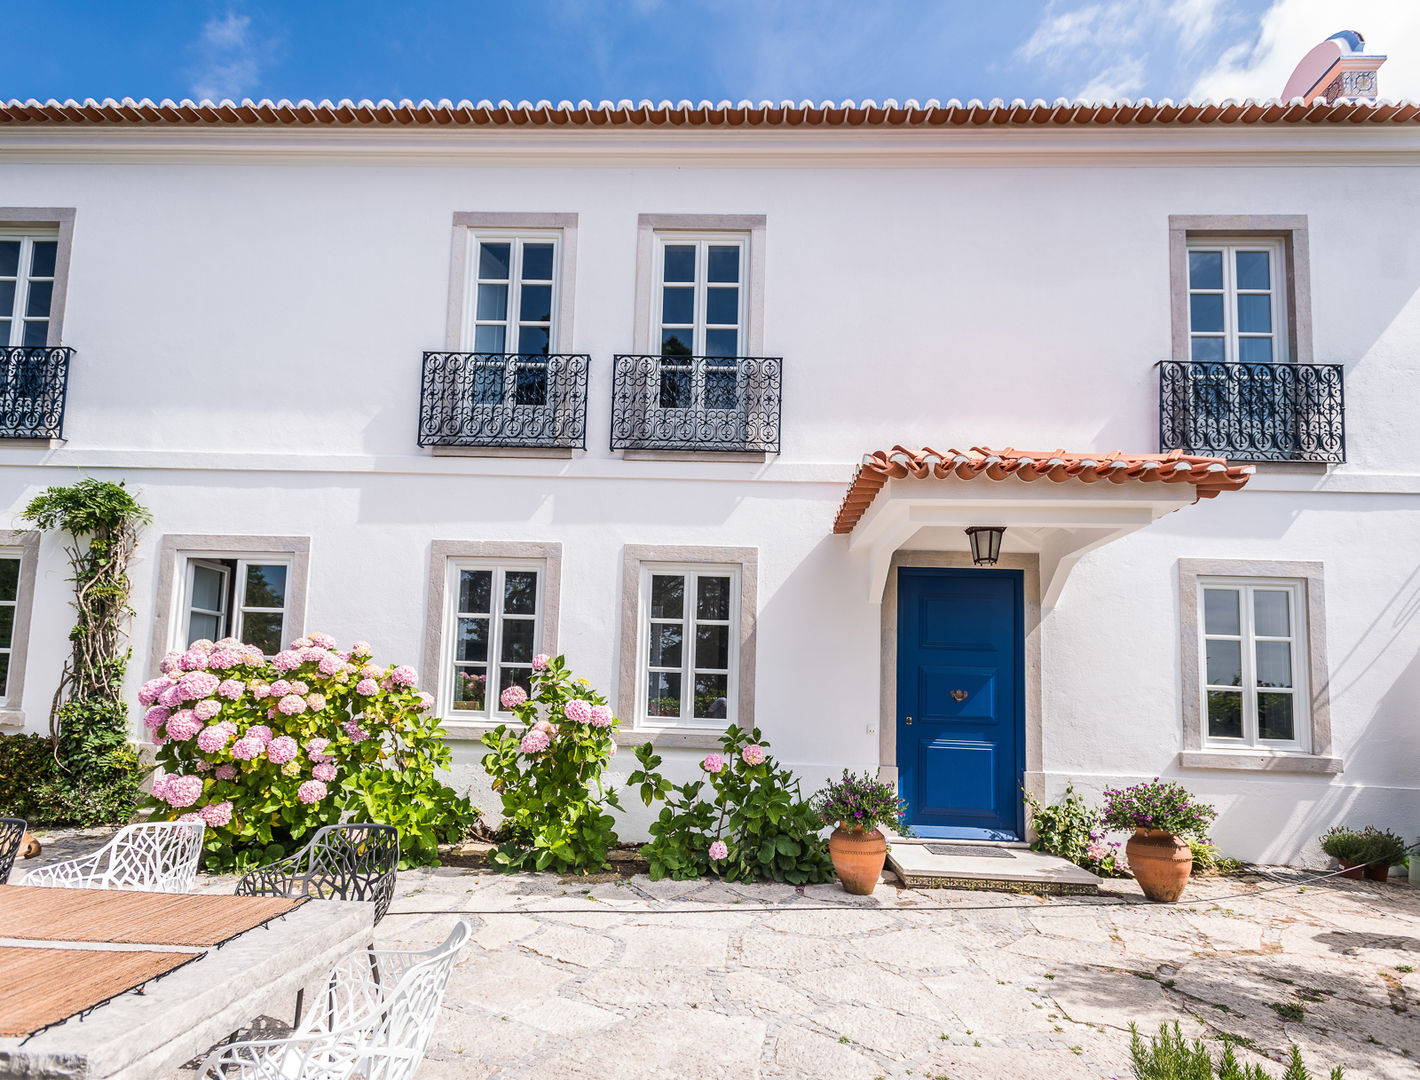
x=9, y=603
x=511, y=310
x=242, y=596
x=688, y=647
x=700, y=310
x=1255, y=679
x=492, y=630
x=1237, y=301
x=28, y=260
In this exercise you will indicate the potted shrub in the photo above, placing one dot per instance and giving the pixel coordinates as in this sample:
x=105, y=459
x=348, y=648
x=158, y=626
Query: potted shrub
x=856, y=806
x=1349, y=847
x=1163, y=816
x=1384, y=850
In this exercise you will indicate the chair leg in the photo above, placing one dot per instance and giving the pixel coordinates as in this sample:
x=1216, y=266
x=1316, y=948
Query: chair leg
x=300, y=1004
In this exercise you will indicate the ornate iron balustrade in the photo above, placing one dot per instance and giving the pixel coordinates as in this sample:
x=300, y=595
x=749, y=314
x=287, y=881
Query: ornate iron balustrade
x=1253, y=412
x=34, y=380
x=718, y=404
x=504, y=399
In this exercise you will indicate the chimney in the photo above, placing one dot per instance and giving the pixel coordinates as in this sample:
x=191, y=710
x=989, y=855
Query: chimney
x=1337, y=68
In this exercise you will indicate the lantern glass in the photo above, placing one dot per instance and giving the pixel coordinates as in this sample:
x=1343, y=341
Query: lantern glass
x=985, y=543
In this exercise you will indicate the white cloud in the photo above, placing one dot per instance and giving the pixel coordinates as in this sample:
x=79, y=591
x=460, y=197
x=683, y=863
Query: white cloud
x=1290, y=28
x=230, y=58
x=1123, y=80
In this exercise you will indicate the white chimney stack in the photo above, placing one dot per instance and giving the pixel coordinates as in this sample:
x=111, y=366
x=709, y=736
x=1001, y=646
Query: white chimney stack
x=1337, y=68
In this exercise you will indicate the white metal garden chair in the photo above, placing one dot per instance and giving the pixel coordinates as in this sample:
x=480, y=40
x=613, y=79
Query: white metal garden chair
x=382, y=1009
x=158, y=856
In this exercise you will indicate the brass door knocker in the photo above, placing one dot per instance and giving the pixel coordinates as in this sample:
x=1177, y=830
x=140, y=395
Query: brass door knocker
x=958, y=695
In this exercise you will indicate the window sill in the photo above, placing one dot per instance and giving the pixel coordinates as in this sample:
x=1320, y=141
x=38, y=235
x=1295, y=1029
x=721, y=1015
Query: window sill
x=1260, y=761
x=32, y=444
x=752, y=457
x=501, y=451
x=694, y=739
x=12, y=718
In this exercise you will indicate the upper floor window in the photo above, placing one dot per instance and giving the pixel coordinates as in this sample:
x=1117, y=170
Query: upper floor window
x=28, y=264
x=701, y=310
x=512, y=278
x=243, y=597
x=1237, y=301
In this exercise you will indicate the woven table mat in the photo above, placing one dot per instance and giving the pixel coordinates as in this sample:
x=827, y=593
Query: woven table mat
x=132, y=918
x=42, y=987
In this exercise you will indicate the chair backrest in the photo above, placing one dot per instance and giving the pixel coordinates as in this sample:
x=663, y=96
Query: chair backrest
x=396, y=1047
x=12, y=835
x=156, y=856
x=352, y=862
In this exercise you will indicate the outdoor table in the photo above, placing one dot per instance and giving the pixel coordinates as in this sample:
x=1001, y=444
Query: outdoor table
x=199, y=981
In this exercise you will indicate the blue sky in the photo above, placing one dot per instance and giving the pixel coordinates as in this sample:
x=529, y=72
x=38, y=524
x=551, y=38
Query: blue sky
x=658, y=49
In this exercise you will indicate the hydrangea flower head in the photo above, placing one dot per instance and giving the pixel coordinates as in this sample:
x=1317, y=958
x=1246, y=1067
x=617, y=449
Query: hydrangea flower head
x=168, y=665
x=292, y=704
x=231, y=689
x=192, y=660
x=718, y=850
x=753, y=754
x=171, y=697
x=331, y=664
x=539, y=662
x=512, y=697
x=280, y=688
x=315, y=702
x=148, y=693
x=160, y=787
x=226, y=772
x=281, y=749
x=213, y=738
x=404, y=675
x=183, y=790
x=426, y=702
x=206, y=709
x=360, y=648
x=312, y=791
x=324, y=772
x=601, y=716
x=197, y=684
x=216, y=814
x=316, y=749
x=535, y=742
x=286, y=660
x=247, y=748
x=713, y=763
x=224, y=658
x=577, y=711
x=355, y=731
x=322, y=641
x=183, y=725
x=155, y=717
x=260, y=690
x=367, y=688
x=260, y=731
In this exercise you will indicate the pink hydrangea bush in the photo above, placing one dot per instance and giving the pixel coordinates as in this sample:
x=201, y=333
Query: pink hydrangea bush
x=265, y=750
x=547, y=769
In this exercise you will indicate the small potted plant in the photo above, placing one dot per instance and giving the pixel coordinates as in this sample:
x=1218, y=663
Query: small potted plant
x=1384, y=850
x=1350, y=847
x=856, y=807
x=1163, y=815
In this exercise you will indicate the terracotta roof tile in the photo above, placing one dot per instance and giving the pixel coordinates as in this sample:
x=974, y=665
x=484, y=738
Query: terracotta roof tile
x=761, y=114
x=1207, y=475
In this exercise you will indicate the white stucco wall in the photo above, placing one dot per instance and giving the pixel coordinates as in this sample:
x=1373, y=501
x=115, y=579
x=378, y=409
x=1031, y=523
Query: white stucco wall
x=249, y=319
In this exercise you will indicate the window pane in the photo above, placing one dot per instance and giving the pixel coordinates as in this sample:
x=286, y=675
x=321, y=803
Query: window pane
x=667, y=596
x=37, y=305
x=1253, y=270
x=9, y=578
x=7, y=302
x=675, y=387
x=1255, y=314
x=489, y=339
x=7, y=626
x=4, y=673
x=712, y=646
x=514, y=676
x=1274, y=717
x=1225, y=714
x=537, y=262
x=1224, y=663
x=666, y=642
x=4, y=331
x=42, y=258
x=710, y=693
x=492, y=302
x=472, y=641
x=1205, y=313
x=724, y=263
x=208, y=586
x=1274, y=663
x=663, y=693
x=263, y=629
x=518, y=641
x=201, y=626
x=9, y=258
x=677, y=306
x=266, y=586
x=36, y=332
x=1271, y=613
x=1255, y=350
x=680, y=262
x=722, y=306
x=1205, y=269
x=535, y=304
x=470, y=687
x=475, y=587
x=530, y=387
x=533, y=339
x=712, y=598
x=677, y=342
x=1220, y=611
x=721, y=386
x=722, y=343
x=493, y=261
x=520, y=592
x=1207, y=350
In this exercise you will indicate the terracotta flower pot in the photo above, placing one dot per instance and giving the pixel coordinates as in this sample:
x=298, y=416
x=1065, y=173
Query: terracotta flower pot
x=1354, y=871
x=1160, y=862
x=1378, y=872
x=858, y=858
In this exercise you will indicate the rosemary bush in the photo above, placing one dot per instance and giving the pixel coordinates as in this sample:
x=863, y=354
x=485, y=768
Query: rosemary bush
x=1169, y=1056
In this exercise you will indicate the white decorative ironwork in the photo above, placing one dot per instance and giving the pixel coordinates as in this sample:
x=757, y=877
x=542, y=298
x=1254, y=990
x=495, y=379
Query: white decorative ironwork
x=346, y=862
x=380, y=1011
x=159, y=856
x=12, y=835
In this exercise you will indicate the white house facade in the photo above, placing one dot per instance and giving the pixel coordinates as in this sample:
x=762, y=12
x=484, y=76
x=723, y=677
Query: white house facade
x=706, y=398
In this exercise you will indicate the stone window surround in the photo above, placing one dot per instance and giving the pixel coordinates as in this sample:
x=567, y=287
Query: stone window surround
x=27, y=541
x=1293, y=232
x=634, y=557
x=1029, y=566
x=297, y=548
x=440, y=552
x=1196, y=754
x=49, y=217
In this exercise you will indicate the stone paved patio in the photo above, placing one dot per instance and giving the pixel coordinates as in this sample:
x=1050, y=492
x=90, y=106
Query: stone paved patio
x=638, y=979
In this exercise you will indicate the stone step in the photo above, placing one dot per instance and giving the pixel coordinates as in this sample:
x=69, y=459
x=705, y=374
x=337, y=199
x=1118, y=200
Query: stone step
x=1012, y=869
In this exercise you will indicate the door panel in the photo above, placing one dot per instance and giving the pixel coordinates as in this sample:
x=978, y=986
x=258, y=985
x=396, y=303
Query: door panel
x=960, y=680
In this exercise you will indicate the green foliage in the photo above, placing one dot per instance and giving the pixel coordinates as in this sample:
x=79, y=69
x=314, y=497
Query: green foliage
x=549, y=774
x=26, y=767
x=96, y=775
x=746, y=821
x=861, y=802
x=1169, y=1056
x=1356, y=846
x=1071, y=829
x=1207, y=859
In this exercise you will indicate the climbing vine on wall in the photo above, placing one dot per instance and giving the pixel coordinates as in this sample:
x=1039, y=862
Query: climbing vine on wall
x=97, y=774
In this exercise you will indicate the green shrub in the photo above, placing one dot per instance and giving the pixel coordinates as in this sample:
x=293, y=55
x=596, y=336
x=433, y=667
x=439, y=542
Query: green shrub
x=1356, y=846
x=26, y=768
x=549, y=773
x=746, y=821
x=1207, y=859
x=1071, y=830
x=1168, y=1056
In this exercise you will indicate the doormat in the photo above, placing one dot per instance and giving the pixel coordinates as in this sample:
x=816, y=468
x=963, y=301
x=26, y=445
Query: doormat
x=972, y=851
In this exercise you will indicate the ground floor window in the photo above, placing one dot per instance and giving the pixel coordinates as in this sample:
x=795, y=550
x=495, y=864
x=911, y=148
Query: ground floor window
x=689, y=644
x=9, y=602
x=242, y=597
x=492, y=632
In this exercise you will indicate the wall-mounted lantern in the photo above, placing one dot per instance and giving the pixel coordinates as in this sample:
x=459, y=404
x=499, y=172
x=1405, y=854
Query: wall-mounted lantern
x=985, y=543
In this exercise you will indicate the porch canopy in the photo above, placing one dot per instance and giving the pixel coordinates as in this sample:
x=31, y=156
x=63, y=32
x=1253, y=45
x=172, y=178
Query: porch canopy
x=926, y=498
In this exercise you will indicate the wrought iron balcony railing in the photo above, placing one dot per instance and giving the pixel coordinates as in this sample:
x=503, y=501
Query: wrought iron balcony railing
x=504, y=399
x=34, y=380
x=1253, y=412
x=718, y=404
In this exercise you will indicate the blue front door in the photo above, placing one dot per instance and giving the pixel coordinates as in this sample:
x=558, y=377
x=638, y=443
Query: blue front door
x=960, y=701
